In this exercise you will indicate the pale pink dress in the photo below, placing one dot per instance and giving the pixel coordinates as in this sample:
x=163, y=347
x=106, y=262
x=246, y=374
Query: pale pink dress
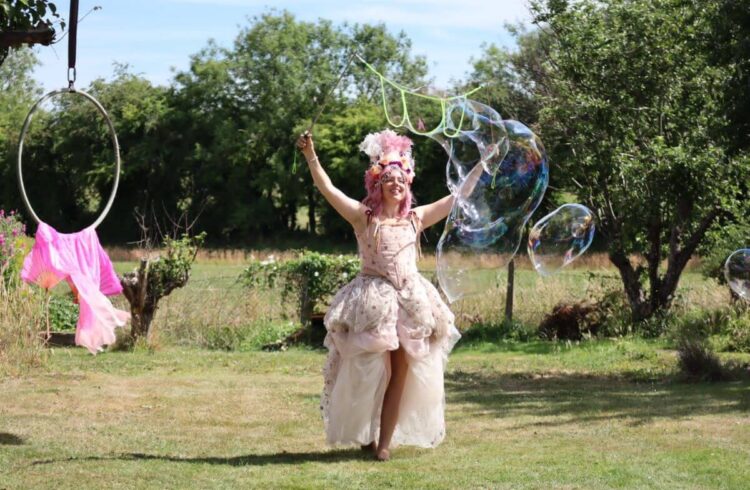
x=389, y=304
x=81, y=260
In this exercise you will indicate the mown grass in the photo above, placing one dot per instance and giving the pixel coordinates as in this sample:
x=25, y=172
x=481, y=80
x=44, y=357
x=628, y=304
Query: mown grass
x=600, y=414
x=610, y=413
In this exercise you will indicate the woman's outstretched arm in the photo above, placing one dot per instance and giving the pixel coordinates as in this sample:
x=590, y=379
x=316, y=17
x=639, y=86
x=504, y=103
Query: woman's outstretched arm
x=351, y=210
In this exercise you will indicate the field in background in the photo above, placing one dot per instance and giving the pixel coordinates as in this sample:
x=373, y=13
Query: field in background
x=215, y=299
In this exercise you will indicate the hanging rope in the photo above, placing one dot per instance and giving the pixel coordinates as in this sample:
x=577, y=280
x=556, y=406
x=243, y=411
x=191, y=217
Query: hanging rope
x=72, y=39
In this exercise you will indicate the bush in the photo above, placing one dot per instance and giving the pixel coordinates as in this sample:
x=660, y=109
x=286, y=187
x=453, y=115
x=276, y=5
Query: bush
x=14, y=245
x=727, y=329
x=738, y=331
x=720, y=243
x=570, y=322
x=312, y=278
x=697, y=361
x=63, y=313
x=223, y=338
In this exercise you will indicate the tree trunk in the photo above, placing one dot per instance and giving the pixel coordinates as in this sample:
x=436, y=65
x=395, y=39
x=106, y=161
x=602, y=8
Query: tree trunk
x=509, y=291
x=311, y=224
x=640, y=309
x=142, y=309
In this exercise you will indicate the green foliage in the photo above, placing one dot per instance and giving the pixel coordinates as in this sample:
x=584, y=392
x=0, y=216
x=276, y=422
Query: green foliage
x=249, y=337
x=738, y=332
x=223, y=338
x=270, y=333
x=312, y=278
x=721, y=242
x=239, y=111
x=14, y=245
x=63, y=313
x=173, y=268
x=25, y=15
x=633, y=115
x=697, y=360
x=17, y=93
x=726, y=329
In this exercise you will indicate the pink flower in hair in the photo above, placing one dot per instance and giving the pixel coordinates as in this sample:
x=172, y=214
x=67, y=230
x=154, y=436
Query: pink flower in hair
x=386, y=147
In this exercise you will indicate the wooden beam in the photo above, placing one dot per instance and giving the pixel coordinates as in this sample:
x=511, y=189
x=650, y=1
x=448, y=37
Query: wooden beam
x=41, y=34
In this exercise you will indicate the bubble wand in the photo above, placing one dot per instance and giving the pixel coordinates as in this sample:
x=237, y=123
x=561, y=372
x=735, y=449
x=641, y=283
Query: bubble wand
x=325, y=101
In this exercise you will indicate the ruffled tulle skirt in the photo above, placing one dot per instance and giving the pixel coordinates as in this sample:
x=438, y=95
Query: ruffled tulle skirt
x=368, y=318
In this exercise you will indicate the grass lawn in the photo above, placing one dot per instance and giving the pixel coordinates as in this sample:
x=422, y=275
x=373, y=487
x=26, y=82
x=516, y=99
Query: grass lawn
x=606, y=414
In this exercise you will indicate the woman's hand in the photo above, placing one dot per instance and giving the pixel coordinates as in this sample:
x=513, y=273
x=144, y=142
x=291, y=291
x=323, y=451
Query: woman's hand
x=306, y=146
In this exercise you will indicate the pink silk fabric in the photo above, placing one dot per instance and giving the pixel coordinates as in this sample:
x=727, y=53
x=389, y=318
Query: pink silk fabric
x=80, y=259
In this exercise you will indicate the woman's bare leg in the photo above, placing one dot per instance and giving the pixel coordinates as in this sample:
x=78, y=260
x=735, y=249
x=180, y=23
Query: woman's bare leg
x=391, y=401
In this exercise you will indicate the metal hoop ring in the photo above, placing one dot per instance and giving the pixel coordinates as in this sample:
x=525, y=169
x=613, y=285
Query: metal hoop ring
x=112, y=133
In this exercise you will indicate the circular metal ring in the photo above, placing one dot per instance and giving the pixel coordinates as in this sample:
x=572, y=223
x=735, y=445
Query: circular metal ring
x=112, y=133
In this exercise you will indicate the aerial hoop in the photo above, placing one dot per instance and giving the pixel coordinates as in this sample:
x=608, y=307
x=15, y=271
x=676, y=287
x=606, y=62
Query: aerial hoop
x=115, y=144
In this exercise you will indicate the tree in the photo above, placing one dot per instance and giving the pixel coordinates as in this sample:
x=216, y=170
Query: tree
x=240, y=110
x=27, y=22
x=633, y=116
x=17, y=94
x=156, y=278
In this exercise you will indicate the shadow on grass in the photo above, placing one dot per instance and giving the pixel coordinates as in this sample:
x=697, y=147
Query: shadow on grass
x=7, y=439
x=575, y=399
x=283, y=457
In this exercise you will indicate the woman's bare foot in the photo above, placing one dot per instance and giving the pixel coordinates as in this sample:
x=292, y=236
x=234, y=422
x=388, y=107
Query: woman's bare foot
x=369, y=447
x=383, y=455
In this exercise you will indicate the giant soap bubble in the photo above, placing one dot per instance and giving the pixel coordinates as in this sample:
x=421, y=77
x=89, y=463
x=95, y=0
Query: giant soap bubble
x=737, y=272
x=494, y=200
x=559, y=238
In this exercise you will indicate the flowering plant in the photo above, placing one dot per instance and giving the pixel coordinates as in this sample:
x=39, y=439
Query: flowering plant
x=14, y=244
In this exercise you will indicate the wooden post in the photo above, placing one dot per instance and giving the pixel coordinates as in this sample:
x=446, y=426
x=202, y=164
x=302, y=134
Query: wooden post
x=509, y=292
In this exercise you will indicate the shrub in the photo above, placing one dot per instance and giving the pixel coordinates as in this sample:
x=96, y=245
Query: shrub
x=312, y=278
x=156, y=278
x=720, y=243
x=63, y=313
x=738, y=331
x=14, y=245
x=728, y=329
x=697, y=361
x=223, y=338
x=570, y=322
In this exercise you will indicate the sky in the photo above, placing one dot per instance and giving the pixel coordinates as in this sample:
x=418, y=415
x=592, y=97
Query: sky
x=157, y=37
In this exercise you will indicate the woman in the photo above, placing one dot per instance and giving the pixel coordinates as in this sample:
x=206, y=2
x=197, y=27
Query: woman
x=389, y=332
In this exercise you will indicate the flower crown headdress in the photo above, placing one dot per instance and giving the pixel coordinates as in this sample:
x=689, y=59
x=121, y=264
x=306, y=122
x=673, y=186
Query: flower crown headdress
x=388, y=148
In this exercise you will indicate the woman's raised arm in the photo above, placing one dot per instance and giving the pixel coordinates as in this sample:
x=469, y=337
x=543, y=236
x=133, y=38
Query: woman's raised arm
x=349, y=209
x=434, y=212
